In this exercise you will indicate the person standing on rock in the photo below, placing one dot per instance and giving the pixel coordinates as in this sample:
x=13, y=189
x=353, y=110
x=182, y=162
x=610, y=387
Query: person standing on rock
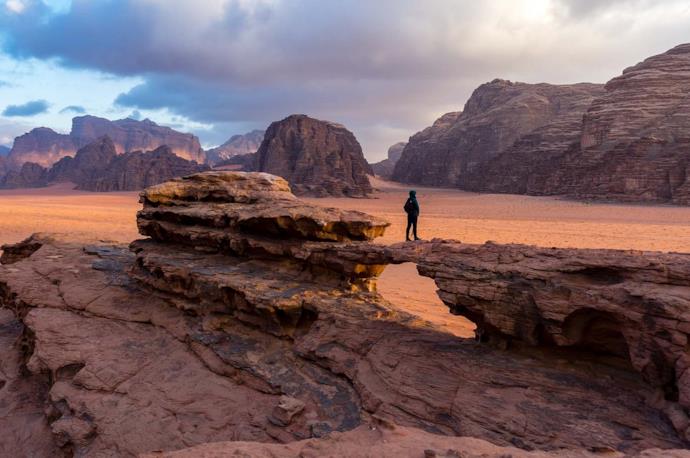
x=412, y=209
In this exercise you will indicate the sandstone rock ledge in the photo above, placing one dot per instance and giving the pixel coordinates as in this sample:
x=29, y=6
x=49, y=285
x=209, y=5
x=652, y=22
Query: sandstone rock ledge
x=189, y=339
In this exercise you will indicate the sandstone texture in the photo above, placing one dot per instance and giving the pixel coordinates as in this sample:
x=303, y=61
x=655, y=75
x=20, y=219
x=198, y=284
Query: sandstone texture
x=498, y=114
x=627, y=141
x=45, y=147
x=385, y=168
x=273, y=338
x=386, y=440
x=237, y=145
x=318, y=158
x=635, y=140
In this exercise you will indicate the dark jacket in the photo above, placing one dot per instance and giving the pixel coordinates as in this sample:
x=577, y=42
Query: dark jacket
x=411, y=205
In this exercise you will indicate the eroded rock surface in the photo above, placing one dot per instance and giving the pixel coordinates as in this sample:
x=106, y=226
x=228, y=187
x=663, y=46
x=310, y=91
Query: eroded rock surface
x=177, y=342
x=631, y=307
x=317, y=157
x=532, y=119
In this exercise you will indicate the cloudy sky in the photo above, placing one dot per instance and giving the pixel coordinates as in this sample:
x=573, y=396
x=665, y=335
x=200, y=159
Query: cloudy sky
x=384, y=68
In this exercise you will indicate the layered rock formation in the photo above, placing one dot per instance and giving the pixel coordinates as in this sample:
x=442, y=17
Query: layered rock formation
x=251, y=316
x=385, y=168
x=497, y=115
x=635, y=139
x=319, y=158
x=237, y=145
x=98, y=167
x=628, y=141
x=45, y=147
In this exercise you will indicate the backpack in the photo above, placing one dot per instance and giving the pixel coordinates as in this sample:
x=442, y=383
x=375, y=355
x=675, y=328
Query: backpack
x=409, y=206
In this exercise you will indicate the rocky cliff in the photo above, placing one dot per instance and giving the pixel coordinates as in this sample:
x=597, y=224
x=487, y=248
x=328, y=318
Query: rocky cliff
x=628, y=141
x=385, y=168
x=249, y=315
x=41, y=146
x=30, y=175
x=137, y=170
x=635, y=140
x=238, y=145
x=317, y=157
x=44, y=146
x=4, y=150
x=452, y=152
x=98, y=167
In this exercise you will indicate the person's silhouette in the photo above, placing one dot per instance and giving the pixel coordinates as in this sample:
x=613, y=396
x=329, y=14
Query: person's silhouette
x=412, y=209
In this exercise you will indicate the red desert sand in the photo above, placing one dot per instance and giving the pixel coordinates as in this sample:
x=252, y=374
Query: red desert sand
x=446, y=213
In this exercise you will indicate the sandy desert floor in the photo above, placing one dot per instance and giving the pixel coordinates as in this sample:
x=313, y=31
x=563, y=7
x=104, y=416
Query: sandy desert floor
x=472, y=218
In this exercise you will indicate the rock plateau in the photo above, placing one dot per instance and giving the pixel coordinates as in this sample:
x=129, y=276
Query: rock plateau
x=249, y=323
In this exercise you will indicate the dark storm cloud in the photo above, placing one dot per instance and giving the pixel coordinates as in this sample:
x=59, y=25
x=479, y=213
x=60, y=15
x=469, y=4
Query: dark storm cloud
x=77, y=109
x=32, y=108
x=384, y=68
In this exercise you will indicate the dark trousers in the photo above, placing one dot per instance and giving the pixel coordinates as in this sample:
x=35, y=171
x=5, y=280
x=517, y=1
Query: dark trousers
x=411, y=223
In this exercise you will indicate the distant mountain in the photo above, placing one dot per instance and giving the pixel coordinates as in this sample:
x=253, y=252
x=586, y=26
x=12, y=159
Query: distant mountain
x=45, y=147
x=4, y=150
x=385, y=168
x=497, y=115
x=98, y=167
x=237, y=145
x=628, y=140
x=318, y=158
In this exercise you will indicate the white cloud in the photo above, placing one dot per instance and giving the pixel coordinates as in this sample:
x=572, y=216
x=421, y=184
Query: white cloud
x=15, y=6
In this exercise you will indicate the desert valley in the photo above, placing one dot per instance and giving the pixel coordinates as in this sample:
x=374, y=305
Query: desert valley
x=161, y=296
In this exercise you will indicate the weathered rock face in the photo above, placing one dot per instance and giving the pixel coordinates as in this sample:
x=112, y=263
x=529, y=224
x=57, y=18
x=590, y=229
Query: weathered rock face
x=98, y=167
x=385, y=168
x=635, y=140
x=497, y=115
x=131, y=135
x=191, y=338
x=30, y=175
x=238, y=145
x=255, y=214
x=317, y=157
x=629, y=141
x=631, y=307
x=137, y=170
x=45, y=147
x=88, y=163
x=4, y=150
x=41, y=146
